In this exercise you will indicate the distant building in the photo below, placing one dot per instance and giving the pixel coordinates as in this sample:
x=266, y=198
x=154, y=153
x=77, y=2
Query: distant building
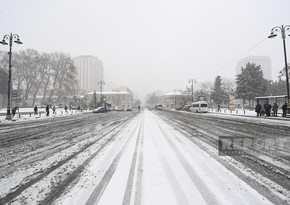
x=263, y=61
x=121, y=97
x=90, y=71
x=174, y=99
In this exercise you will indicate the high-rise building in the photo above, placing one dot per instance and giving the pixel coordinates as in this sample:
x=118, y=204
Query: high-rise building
x=90, y=71
x=263, y=61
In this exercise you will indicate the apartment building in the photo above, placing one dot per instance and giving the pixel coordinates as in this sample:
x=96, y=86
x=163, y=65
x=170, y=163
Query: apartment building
x=90, y=71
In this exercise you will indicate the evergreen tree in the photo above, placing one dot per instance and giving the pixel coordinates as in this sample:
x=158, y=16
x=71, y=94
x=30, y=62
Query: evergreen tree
x=218, y=94
x=250, y=83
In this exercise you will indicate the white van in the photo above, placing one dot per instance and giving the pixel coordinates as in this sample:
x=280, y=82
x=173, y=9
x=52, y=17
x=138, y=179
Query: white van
x=199, y=106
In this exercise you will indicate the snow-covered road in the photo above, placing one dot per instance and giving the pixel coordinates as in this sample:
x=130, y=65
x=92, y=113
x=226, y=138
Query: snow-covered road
x=129, y=158
x=155, y=164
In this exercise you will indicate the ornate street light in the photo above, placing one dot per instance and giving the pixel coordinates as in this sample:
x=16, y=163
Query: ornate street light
x=10, y=38
x=273, y=34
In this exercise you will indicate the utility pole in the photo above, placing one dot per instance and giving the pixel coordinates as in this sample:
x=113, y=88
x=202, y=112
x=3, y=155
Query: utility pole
x=101, y=83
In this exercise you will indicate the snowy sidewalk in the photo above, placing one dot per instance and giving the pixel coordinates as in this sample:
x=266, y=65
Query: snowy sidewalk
x=246, y=113
x=28, y=114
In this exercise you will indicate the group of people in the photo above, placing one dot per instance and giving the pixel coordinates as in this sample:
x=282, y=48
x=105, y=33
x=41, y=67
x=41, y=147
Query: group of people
x=267, y=108
x=47, y=109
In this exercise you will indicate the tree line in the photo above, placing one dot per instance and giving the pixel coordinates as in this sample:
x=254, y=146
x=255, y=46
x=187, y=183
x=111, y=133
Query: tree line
x=250, y=83
x=34, y=74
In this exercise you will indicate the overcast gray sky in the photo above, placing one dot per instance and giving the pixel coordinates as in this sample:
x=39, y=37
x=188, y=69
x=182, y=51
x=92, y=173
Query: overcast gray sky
x=152, y=44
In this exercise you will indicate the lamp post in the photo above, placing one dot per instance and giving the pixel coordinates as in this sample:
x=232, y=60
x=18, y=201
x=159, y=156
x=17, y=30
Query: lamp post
x=10, y=38
x=192, y=81
x=273, y=34
x=101, y=83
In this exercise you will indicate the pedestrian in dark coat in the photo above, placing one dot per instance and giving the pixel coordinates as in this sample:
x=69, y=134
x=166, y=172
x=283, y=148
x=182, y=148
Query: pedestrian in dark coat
x=13, y=111
x=275, y=110
x=54, y=110
x=258, y=109
x=267, y=108
x=65, y=108
x=47, y=110
x=284, y=109
x=35, y=110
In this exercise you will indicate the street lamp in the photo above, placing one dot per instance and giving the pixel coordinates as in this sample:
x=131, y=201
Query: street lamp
x=273, y=34
x=10, y=39
x=192, y=81
x=101, y=83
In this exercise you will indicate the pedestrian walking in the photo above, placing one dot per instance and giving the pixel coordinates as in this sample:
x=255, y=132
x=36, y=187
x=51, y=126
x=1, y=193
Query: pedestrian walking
x=35, y=110
x=139, y=108
x=13, y=111
x=65, y=108
x=218, y=107
x=47, y=110
x=275, y=109
x=258, y=109
x=54, y=110
x=284, y=110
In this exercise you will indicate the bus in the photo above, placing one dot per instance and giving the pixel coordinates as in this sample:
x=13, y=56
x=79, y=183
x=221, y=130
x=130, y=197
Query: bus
x=199, y=106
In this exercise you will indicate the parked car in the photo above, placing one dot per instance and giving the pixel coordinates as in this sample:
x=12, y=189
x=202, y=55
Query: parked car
x=158, y=107
x=118, y=109
x=100, y=110
x=179, y=108
x=186, y=108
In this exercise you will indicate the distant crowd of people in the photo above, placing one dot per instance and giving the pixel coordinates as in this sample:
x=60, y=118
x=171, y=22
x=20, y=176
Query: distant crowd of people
x=267, y=108
x=53, y=108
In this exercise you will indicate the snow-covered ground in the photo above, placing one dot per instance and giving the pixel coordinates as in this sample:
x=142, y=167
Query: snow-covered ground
x=28, y=114
x=154, y=164
x=123, y=158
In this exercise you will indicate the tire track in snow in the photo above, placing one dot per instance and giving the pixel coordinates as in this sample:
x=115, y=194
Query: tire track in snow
x=35, y=149
x=138, y=187
x=189, y=124
x=175, y=185
x=130, y=181
x=205, y=192
x=99, y=190
x=56, y=192
x=60, y=189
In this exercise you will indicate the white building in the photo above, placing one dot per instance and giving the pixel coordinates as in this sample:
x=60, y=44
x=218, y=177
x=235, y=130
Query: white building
x=121, y=97
x=263, y=61
x=90, y=71
x=174, y=99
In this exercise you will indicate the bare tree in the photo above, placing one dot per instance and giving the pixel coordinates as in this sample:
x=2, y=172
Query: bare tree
x=42, y=74
x=44, y=70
